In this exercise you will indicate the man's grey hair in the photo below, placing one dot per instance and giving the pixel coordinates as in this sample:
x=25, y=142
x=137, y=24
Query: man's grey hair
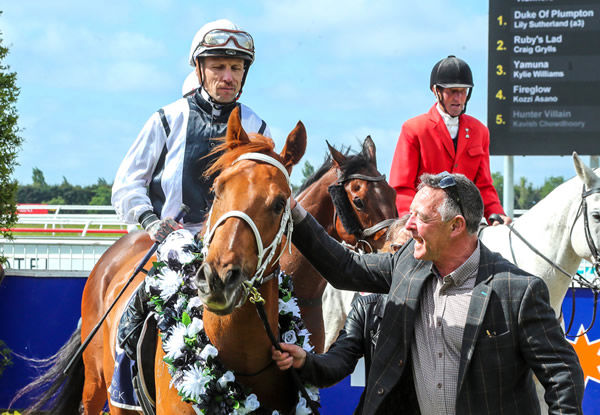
x=468, y=193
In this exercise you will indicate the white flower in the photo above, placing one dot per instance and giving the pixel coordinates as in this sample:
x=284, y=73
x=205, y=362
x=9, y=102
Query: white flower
x=251, y=403
x=195, y=327
x=289, y=337
x=227, y=377
x=175, y=241
x=185, y=257
x=194, y=302
x=151, y=282
x=169, y=283
x=179, y=304
x=313, y=392
x=289, y=306
x=194, y=383
x=209, y=350
x=301, y=408
x=305, y=334
x=275, y=412
x=176, y=341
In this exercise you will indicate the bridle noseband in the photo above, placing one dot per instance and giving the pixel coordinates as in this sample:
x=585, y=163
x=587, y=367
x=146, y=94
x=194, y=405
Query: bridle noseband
x=286, y=226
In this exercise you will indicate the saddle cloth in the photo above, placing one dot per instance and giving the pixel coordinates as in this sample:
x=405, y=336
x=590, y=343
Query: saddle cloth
x=132, y=386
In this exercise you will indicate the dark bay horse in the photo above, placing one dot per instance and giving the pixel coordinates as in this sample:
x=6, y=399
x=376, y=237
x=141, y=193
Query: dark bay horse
x=359, y=217
x=250, y=211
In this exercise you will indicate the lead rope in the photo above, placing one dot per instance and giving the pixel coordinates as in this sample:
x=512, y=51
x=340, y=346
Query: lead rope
x=258, y=301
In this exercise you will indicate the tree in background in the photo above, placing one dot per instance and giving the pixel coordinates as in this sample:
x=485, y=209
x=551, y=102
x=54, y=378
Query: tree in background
x=307, y=171
x=525, y=194
x=498, y=182
x=65, y=193
x=10, y=142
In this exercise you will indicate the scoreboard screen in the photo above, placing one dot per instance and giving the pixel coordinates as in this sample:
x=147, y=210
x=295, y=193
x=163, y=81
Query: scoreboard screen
x=544, y=77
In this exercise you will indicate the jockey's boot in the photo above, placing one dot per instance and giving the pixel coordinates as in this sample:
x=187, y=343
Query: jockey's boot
x=132, y=321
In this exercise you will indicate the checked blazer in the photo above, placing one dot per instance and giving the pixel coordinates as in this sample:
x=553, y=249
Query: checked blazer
x=496, y=369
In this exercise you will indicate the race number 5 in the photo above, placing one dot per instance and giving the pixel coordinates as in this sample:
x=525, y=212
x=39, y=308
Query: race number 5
x=499, y=119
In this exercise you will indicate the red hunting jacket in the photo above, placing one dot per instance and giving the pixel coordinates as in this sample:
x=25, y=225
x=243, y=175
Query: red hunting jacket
x=425, y=146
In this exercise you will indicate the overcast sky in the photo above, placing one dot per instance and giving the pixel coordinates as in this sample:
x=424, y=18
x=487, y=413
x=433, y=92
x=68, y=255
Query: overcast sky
x=91, y=73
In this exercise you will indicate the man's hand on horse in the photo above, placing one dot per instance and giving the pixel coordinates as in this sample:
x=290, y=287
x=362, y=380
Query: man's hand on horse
x=497, y=219
x=291, y=355
x=160, y=229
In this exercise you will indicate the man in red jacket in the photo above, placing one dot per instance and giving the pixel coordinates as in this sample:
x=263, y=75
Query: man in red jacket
x=445, y=139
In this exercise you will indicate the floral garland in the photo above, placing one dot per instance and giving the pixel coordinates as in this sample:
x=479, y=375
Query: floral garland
x=197, y=374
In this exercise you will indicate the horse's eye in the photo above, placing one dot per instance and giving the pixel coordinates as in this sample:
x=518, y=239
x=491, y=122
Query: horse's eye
x=279, y=205
x=358, y=203
x=596, y=216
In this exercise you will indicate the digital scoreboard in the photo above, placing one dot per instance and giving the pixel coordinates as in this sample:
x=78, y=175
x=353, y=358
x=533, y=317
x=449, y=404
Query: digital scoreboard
x=544, y=77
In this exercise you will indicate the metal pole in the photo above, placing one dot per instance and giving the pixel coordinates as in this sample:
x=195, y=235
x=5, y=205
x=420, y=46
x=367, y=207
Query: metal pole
x=509, y=186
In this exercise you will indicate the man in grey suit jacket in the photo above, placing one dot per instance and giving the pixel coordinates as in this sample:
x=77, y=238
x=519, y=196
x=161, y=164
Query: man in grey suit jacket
x=463, y=326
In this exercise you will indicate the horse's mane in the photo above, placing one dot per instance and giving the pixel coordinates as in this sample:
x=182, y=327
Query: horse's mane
x=353, y=164
x=232, y=150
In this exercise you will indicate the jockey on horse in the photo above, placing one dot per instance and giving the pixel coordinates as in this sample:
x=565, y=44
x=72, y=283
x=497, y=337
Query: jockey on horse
x=164, y=167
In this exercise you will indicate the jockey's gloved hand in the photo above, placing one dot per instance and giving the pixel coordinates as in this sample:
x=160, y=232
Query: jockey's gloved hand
x=158, y=229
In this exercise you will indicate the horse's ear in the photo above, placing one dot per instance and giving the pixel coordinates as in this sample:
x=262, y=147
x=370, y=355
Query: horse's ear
x=368, y=150
x=235, y=133
x=586, y=174
x=338, y=158
x=295, y=146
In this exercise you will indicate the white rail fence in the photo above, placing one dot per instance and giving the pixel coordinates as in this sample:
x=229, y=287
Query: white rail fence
x=58, y=250
x=77, y=254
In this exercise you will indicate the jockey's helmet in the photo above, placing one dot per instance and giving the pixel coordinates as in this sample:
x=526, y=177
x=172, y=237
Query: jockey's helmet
x=222, y=38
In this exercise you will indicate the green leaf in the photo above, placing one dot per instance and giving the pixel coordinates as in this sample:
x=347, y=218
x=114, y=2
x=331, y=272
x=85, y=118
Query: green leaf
x=186, y=319
x=191, y=341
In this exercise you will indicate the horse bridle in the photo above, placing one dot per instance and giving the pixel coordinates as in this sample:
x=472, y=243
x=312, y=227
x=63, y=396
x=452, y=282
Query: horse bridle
x=595, y=284
x=343, y=209
x=286, y=226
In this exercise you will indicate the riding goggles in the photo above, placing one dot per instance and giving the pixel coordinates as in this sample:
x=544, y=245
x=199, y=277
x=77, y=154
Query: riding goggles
x=220, y=37
x=448, y=183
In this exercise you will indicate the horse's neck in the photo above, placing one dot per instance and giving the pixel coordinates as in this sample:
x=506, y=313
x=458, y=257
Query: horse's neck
x=317, y=201
x=240, y=336
x=546, y=226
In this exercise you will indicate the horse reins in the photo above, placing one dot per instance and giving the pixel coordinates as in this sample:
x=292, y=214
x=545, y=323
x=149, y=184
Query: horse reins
x=251, y=286
x=595, y=285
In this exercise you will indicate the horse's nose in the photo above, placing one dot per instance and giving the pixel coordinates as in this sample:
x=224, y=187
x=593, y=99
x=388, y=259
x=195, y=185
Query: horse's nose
x=233, y=276
x=206, y=277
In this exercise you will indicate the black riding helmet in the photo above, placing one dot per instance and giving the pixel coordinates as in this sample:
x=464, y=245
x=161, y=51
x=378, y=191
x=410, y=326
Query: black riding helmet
x=451, y=72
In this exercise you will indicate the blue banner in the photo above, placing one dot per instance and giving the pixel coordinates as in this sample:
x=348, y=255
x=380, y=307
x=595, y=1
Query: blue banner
x=38, y=315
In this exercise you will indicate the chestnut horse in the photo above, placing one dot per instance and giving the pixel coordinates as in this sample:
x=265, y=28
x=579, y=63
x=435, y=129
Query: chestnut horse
x=359, y=217
x=250, y=210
